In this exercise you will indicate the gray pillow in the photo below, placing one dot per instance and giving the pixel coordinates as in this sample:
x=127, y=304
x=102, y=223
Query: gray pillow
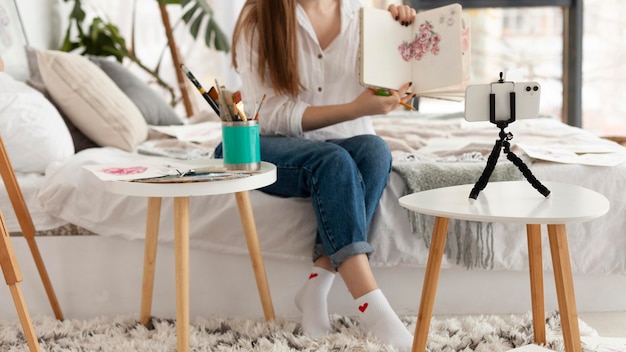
x=154, y=108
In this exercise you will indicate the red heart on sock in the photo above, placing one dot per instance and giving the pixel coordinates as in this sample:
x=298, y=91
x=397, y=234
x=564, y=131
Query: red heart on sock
x=363, y=307
x=312, y=275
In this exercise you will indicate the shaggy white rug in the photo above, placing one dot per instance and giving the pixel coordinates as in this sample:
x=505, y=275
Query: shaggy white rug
x=124, y=333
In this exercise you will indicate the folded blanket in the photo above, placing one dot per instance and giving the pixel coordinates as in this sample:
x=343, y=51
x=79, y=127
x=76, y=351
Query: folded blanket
x=474, y=240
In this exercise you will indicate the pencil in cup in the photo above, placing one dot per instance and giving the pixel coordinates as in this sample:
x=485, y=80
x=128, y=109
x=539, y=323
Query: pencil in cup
x=384, y=93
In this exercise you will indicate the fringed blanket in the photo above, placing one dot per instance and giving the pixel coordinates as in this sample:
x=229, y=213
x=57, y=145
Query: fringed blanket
x=474, y=240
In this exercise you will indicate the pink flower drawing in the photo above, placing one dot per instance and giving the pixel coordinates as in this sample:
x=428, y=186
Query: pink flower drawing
x=465, y=37
x=133, y=170
x=425, y=41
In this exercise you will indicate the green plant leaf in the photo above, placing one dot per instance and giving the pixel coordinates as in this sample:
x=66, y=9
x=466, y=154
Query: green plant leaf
x=220, y=41
x=195, y=12
x=77, y=11
x=194, y=28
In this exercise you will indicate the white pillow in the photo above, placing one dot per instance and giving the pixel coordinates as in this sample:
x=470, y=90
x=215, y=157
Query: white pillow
x=32, y=129
x=91, y=100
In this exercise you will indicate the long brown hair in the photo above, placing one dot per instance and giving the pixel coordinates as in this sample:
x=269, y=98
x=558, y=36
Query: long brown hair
x=275, y=23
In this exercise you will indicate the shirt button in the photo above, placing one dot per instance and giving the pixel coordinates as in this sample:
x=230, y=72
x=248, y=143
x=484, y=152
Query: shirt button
x=319, y=89
x=319, y=56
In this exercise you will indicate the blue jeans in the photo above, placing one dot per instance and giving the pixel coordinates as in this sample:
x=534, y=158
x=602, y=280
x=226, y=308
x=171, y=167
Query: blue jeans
x=344, y=178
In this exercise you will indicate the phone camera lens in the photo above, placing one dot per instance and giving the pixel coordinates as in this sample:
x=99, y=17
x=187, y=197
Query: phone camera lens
x=535, y=88
x=528, y=89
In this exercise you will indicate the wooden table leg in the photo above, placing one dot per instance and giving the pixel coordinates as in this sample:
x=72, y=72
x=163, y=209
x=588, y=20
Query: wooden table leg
x=153, y=216
x=431, y=280
x=13, y=276
x=181, y=254
x=564, y=287
x=535, y=264
x=252, y=239
x=27, y=226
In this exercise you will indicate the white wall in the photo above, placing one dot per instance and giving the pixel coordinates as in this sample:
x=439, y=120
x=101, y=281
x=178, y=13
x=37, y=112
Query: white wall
x=43, y=23
x=43, y=28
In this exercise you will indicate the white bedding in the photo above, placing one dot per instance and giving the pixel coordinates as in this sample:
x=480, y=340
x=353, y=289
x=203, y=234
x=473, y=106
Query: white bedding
x=29, y=183
x=286, y=226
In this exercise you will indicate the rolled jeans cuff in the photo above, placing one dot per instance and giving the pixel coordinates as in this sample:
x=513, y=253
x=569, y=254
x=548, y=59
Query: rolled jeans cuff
x=344, y=253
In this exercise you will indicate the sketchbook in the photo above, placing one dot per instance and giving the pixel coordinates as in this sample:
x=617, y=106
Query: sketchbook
x=433, y=53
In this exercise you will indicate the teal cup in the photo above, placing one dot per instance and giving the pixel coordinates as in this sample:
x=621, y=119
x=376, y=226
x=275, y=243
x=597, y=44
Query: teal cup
x=240, y=145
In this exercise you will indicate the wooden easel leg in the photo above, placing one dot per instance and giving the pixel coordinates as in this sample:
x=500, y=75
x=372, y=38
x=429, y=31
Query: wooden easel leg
x=564, y=287
x=153, y=216
x=27, y=226
x=13, y=276
x=431, y=280
x=252, y=239
x=535, y=263
x=22, y=312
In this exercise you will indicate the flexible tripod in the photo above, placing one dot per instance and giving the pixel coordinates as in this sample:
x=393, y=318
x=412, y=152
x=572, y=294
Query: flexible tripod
x=503, y=143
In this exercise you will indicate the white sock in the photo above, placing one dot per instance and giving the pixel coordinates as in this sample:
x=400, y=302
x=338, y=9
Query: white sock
x=311, y=300
x=378, y=318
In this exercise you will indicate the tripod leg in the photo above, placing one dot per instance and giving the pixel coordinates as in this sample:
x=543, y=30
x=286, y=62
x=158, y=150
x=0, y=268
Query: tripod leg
x=491, y=165
x=528, y=174
x=27, y=226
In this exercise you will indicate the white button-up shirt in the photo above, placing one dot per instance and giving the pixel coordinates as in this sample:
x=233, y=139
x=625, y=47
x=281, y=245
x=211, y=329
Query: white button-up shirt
x=329, y=77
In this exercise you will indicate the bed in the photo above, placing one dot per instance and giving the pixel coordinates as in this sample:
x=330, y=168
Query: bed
x=92, y=240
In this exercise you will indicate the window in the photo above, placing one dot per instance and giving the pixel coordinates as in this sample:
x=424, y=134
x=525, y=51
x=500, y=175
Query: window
x=526, y=44
x=593, y=34
x=604, y=72
x=536, y=39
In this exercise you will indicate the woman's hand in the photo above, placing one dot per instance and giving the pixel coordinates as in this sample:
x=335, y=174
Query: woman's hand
x=403, y=14
x=371, y=103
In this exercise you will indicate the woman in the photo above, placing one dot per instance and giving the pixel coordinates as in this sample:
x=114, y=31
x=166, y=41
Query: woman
x=303, y=55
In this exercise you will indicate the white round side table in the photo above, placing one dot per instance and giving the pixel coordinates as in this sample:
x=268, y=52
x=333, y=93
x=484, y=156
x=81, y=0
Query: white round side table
x=511, y=202
x=181, y=193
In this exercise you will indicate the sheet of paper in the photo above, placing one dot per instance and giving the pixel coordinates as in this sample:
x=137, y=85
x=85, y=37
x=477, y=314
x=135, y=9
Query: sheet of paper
x=568, y=156
x=124, y=172
x=436, y=145
x=196, y=132
x=149, y=167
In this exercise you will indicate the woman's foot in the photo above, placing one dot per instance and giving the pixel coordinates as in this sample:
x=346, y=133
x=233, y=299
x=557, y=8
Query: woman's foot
x=378, y=318
x=311, y=300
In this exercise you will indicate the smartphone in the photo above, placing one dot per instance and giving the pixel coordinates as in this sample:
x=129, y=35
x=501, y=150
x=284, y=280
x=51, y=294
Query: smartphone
x=526, y=100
